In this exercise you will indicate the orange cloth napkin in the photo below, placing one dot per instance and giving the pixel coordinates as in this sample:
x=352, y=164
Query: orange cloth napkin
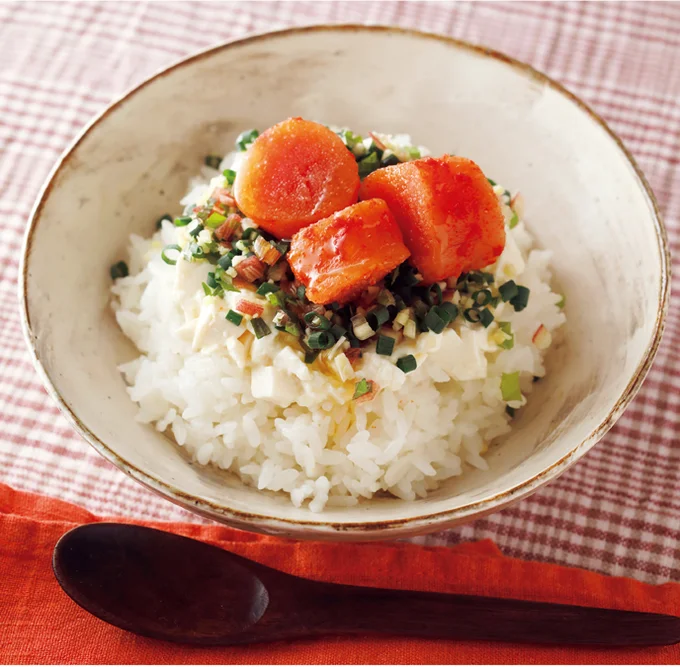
x=40, y=624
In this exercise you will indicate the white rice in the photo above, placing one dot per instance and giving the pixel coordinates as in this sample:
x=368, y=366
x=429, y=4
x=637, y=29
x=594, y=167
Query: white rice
x=255, y=408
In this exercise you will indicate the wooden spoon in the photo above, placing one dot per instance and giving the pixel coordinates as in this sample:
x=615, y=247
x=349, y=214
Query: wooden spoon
x=169, y=587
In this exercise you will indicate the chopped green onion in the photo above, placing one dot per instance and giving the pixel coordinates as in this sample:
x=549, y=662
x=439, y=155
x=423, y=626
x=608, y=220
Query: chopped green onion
x=493, y=183
x=292, y=329
x=159, y=222
x=225, y=260
x=266, y=288
x=250, y=233
x=242, y=246
x=349, y=138
x=513, y=221
x=183, y=221
x=508, y=291
x=485, y=317
x=214, y=220
x=230, y=175
x=521, y=300
x=120, y=270
x=311, y=355
x=368, y=165
x=475, y=277
x=338, y=331
x=226, y=283
x=246, y=138
x=409, y=279
x=510, y=388
x=385, y=345
x=195, y=251
x=277, y=299
x=212, y=283
x=562, y=302
x=362, y=388
x=320, y=340
x=510, y=411
x=471, y=315
x=282, y=247
x=316, y=321
x=488, y=277
x=388, y=159
x=407, y=364
x=196, y=230
x=333, y=306
x=450, y=309
x=420, y=308
x=386, y=298
x=164, y=255
x=413, y=152
x=300, y=292
x=353, y=341
x=434, y=321
x=234, y=317
x=482, y=297
x=438, y=291
x=506, y=328
x=207, y=289
x=213, y=161
x=377, y=316
x=260, y=328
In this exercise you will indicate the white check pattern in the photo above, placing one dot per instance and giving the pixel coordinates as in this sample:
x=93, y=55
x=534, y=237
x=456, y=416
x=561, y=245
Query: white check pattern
x=618, y=510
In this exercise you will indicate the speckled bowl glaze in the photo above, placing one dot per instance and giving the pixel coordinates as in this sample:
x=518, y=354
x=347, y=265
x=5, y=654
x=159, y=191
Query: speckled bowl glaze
x=585, y=199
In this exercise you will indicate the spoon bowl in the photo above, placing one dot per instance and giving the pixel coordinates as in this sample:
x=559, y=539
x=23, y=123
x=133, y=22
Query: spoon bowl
x=175, y=588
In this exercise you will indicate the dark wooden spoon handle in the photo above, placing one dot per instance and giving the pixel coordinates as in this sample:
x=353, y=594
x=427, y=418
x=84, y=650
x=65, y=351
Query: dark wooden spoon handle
x=437, y=615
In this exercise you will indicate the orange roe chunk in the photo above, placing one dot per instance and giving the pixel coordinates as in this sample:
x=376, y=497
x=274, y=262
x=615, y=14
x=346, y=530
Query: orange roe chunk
x=340, y=256
x=447, y=210
x=295, y=173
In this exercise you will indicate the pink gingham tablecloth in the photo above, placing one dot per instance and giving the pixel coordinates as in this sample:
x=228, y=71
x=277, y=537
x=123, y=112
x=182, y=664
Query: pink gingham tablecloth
x=618, y=510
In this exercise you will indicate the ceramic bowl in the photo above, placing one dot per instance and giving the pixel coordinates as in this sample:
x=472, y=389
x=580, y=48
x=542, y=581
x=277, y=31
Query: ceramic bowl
x=585, y=199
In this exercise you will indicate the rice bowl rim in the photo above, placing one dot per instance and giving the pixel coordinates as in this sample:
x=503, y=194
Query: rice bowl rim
x=366, y=529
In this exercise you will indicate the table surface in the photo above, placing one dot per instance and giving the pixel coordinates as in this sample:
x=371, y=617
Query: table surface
x=618, y=510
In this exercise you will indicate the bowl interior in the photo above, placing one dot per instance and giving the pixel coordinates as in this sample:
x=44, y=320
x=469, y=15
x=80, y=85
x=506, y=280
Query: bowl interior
x=584, y=201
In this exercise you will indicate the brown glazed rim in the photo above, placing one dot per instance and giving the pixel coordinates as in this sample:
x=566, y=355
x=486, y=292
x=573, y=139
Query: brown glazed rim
x=368, y=529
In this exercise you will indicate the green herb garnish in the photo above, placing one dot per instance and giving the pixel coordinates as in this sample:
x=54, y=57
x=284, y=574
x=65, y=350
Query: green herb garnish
x=320, y=340
x=230, y=175
x=212, y=161
x=385, y=345
x=506, y=328
x=510, y=388
x=234, y=317
x=377, y=316
x=164, y=254
x=245, y=139
x=260, y=328
x=362, y=388
x=485, y=317
x=407, y=364
x=368, y=165
x=119, y=270
x=521, y=299
x=508, y=291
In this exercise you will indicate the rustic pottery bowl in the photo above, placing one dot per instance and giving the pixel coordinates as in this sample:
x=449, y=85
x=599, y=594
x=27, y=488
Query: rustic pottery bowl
x=585, y=199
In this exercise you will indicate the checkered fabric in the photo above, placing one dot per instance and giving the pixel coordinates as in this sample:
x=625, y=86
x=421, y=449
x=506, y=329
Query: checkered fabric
x=618, y=510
